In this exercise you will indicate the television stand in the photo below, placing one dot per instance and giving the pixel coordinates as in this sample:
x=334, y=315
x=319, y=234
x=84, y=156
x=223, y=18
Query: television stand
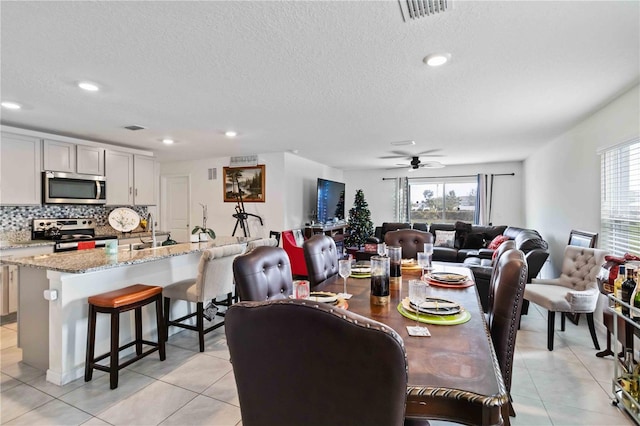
x=334, y=230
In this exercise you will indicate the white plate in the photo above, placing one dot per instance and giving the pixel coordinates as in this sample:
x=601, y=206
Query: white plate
x=124, y=219
x=323, y=296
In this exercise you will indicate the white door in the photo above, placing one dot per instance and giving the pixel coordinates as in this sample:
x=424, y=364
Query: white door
x=175, y=206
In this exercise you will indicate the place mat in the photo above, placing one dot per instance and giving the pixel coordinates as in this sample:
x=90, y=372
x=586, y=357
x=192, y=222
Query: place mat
x=354, y=275
x=465, y=284
x=460, y=318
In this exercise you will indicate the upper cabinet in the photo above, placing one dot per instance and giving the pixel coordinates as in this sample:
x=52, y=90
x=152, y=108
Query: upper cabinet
x=71, y=158
x=20, y=162
x=130, y=179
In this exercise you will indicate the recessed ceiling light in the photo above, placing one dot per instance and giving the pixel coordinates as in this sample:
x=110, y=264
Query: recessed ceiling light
x=437, y=59
x=88, y=86
x=167, y=141
x=230, y=134
x=11, y=105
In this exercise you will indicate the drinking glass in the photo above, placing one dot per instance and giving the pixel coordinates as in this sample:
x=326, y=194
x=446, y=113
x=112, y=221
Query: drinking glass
x=428, y=250
x=417, y=295
x=423, y=261
x=344, y=269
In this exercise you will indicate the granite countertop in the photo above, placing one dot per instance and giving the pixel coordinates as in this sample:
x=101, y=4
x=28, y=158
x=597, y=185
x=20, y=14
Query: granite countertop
x=77, y=262
x=7, y=245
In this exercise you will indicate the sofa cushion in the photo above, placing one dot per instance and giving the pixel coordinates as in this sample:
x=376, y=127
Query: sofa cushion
x=462, y=230
x=445, y=254
x=474, y=240
x=490, y=232
x=445, y=239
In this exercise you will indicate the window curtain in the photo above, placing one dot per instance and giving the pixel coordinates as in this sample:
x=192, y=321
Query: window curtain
x=483, y=203
x=620, y=198
x=402, y=199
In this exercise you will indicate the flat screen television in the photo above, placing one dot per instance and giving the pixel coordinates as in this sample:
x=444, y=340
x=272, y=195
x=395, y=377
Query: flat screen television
x=330, y=201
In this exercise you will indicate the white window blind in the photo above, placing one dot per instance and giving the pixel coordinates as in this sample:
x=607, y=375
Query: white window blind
x=620, y=198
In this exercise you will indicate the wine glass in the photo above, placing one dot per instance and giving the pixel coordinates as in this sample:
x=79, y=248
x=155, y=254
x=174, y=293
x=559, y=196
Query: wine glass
x=428, y=250
x=423, y=261
x=417, y=295
x=382, y=249
x=344, y=269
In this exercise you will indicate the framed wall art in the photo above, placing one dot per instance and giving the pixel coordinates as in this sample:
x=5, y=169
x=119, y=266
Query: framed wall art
x=246, y=184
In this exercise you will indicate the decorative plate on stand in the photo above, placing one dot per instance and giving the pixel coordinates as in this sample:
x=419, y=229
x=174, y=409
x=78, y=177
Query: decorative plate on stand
x=124, y=219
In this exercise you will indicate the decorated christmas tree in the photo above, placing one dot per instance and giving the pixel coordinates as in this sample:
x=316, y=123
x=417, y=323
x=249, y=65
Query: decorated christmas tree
x=359, y=226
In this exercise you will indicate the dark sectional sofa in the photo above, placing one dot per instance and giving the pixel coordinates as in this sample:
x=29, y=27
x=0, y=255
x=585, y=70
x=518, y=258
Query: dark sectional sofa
x=470, y=248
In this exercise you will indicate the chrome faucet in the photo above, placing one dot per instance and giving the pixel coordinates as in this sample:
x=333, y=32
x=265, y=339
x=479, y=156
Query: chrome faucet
x=153, y=229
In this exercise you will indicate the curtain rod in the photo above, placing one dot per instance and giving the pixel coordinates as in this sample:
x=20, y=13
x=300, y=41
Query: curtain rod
x=459, y=176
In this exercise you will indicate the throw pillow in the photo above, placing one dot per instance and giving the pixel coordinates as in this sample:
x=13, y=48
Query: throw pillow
x=445, y=238
x=495, y=243
x=474, y=240
x=462, y=230
x=297, y=235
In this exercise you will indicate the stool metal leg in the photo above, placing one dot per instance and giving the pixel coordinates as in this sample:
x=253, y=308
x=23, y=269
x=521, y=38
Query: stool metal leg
x=200, y=325
x=91, y=340
x=115, y=349
x=167, y=312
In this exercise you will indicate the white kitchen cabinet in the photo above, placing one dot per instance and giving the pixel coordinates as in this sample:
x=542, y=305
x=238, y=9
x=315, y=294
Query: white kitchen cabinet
x=144, y=193
x=130, y=179
x=59, y=156
x=20, y=170
x=90, y=160
x=72, y=158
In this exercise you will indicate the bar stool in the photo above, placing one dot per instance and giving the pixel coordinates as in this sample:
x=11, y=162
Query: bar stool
x=114, y=303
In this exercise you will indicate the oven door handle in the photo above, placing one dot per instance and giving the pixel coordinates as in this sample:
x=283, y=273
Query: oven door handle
x=98, y=190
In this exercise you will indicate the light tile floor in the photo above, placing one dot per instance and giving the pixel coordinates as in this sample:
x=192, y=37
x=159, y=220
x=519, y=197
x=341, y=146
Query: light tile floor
x=568, y=386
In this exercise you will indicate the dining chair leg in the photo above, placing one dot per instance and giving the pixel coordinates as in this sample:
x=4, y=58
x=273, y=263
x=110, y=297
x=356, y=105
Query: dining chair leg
x=200, y=324
x=550, y=329
x=562, y=321
x=592, y=330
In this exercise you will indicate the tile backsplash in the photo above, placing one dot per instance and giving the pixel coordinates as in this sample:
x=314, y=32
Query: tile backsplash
x=15, y=221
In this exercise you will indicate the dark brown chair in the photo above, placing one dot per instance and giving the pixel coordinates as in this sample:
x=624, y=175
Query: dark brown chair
x=302, y=363
x=504, y=316
x=502, y=249
x=263, y=274
x=321, y=257
x=411, y=240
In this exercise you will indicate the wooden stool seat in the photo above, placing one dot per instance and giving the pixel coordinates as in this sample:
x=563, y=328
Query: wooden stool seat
x=114, y=303
x=125, y=296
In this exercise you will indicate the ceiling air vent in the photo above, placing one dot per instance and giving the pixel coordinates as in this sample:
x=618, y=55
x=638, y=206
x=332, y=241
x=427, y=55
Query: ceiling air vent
x=134, y=127
x=244, y=161
x=420, y=8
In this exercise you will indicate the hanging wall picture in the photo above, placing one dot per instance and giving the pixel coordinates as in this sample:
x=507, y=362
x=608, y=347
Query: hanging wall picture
x=246, y=184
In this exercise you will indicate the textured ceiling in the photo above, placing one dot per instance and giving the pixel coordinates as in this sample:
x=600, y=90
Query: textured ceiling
x=337, y=81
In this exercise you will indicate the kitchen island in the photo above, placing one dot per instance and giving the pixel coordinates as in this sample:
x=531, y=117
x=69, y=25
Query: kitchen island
x=52, y=333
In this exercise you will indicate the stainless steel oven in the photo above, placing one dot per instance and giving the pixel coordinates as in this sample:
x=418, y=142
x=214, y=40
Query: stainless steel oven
x=71, y=188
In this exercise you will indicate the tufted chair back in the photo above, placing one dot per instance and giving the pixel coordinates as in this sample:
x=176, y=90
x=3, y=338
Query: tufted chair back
x=411, y=240
x=302, y=363
x=215, y=276
x=575, y=291
x=321, y=257
x=504, y=316
x=502, y=249
x=263, y=274
x=580, y=267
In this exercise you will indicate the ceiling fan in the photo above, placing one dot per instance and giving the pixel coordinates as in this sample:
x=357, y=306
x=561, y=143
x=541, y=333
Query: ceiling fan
x=415, y=162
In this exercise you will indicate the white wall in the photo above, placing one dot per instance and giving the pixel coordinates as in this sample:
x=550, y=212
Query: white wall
x=507, y=200
x=289, y=200
x=562, y=178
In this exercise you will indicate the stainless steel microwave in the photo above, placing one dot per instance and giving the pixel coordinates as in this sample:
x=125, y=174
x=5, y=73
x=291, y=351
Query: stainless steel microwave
x=71, y=188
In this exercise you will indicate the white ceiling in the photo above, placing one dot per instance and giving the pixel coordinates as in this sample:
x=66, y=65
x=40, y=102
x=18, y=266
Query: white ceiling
x=336, y=80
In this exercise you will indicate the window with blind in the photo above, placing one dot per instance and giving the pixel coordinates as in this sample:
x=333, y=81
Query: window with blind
x=620, y=198
x=444, y=200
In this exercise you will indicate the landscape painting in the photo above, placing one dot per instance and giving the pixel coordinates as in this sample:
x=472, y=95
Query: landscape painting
x=244, y=184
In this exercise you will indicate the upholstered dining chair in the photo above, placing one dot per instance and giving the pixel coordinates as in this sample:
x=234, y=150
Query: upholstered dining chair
x=263, y=274
x=300, y=363
x=502, y=249
x=411, y=240
x=262, y=242
x=214, y=278
x=321, y=257
x=575, y=291
x=508, y=284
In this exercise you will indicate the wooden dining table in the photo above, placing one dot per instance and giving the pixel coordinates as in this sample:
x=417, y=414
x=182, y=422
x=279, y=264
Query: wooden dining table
x=453, y=374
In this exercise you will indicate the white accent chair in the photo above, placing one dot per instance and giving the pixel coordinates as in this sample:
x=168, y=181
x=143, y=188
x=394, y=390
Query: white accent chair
x=214, y=278
x=575, y=291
